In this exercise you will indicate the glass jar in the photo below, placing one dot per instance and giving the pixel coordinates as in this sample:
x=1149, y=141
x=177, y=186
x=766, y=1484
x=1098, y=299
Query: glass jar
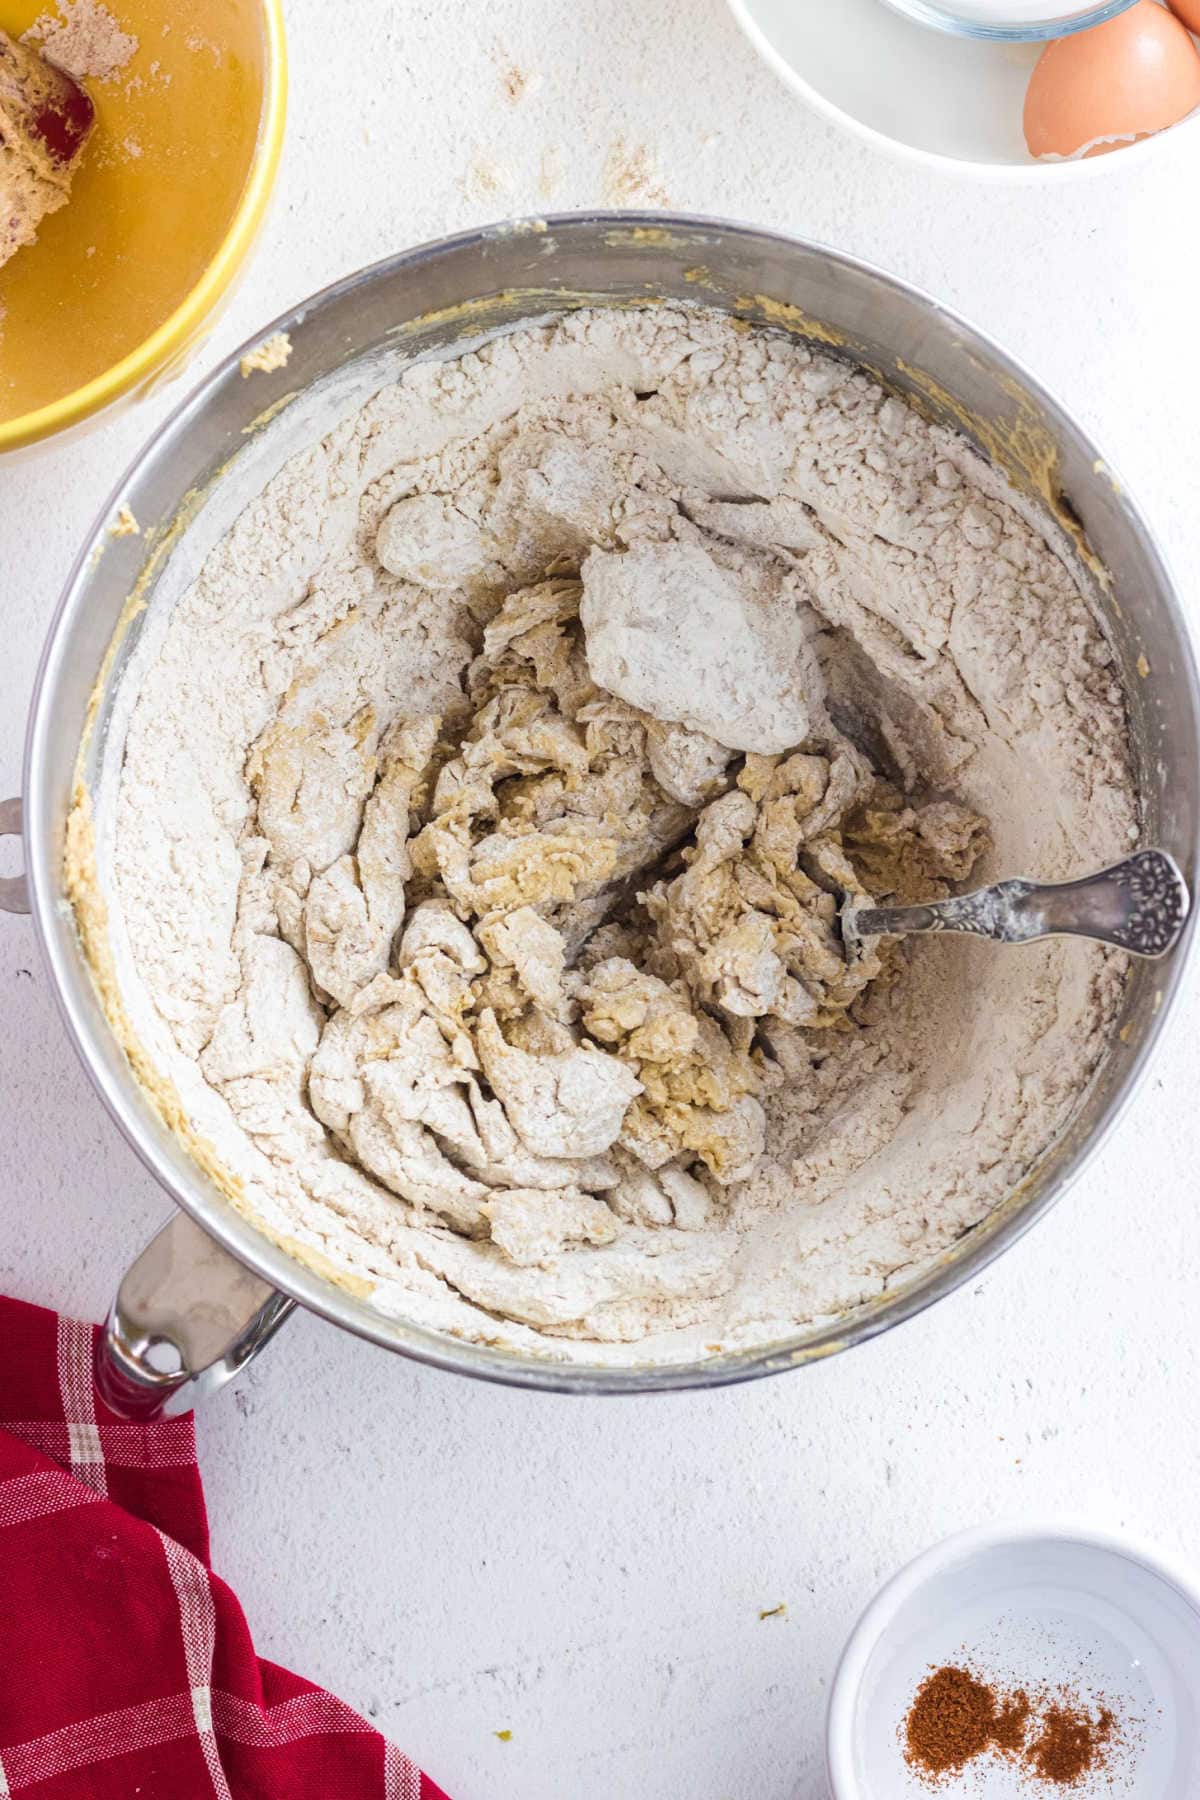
x=1011, y=21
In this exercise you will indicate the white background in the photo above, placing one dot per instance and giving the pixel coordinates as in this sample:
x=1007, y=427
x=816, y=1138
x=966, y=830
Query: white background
x=459, y=1560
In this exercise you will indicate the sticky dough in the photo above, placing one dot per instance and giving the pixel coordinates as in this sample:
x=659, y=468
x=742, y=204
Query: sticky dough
x=488, y=802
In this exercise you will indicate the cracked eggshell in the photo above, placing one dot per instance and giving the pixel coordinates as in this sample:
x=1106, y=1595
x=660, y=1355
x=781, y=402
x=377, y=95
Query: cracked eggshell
x=1101, y=89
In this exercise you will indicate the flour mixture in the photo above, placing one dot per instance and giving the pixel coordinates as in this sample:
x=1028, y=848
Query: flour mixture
x=489, y=800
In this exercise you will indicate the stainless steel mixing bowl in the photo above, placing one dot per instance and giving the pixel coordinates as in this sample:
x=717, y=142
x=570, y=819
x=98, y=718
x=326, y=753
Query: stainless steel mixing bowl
x=211, y=1288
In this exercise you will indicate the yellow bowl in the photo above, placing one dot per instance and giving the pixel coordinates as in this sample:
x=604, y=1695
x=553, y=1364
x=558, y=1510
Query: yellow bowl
x=163, y=209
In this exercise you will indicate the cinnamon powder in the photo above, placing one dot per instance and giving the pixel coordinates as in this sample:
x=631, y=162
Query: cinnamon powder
x=956, y=1716
x=1068, y=1743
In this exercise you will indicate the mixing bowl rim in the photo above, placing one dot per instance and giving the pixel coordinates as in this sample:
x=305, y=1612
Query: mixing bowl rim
x=177, y=330
x=71, y=978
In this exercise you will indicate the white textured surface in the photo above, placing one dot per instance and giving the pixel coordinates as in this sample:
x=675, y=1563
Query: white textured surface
x=589, y=1575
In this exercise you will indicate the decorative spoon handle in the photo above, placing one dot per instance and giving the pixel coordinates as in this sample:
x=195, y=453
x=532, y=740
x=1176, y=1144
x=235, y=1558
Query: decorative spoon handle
x=1140, y=904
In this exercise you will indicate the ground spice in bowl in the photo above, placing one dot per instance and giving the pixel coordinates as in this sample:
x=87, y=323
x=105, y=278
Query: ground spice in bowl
x=957, y=1716
x=1070, y=1743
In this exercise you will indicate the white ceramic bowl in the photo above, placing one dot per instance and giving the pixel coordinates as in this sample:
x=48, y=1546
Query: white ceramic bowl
x=1038, y=1605
x=951, y=103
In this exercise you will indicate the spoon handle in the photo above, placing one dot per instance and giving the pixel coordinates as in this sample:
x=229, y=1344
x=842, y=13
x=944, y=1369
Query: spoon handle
x=1140, y=904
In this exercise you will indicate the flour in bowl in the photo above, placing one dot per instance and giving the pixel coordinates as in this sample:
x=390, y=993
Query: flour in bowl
x=488, y=802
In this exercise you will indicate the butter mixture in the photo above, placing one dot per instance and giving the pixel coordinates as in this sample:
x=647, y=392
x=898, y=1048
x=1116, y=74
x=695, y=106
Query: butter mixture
x=44, y=120
x=488, y=803
x=45, y=115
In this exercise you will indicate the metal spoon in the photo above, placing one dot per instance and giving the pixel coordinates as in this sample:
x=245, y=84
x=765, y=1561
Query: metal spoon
x=1140, y=904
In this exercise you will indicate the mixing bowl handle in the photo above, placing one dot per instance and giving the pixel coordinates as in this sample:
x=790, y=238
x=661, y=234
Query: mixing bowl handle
x=14, y=895
x=187, y=1318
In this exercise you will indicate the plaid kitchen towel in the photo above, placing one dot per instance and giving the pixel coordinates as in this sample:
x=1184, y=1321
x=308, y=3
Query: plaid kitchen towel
x=126, y=1668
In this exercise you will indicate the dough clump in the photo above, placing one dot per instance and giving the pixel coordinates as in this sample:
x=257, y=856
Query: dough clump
x=672, y=631
x=543, y=971
x=42, y=121
x=487, y=805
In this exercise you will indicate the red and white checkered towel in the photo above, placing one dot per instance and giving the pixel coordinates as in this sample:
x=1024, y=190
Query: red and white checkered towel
x=126, y=1668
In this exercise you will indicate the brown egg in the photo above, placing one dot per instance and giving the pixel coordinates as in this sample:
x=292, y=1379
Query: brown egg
x=1188, y=11
x=1103, y=88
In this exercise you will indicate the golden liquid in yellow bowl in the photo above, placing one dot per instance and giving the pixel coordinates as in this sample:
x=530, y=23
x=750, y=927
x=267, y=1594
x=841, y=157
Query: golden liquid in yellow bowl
x=170, y=190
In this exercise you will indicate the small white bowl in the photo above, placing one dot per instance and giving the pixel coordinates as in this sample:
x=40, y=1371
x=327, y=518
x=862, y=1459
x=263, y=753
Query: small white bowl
x=944, y=102
x=1035, y=1606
